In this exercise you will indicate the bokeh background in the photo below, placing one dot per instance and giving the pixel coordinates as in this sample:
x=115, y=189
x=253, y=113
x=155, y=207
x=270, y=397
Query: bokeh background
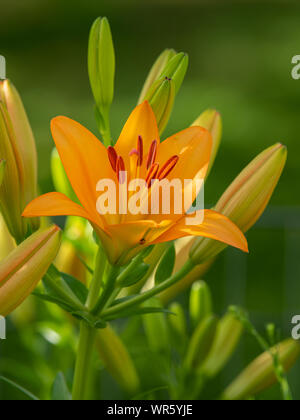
x=240, y=63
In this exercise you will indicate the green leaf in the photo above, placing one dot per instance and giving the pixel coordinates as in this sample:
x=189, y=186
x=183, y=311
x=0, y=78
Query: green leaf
x=54, y=299
x=77, y=287
x=60, y=391
x=19, y=388
x=166, y=265
x=137, y=311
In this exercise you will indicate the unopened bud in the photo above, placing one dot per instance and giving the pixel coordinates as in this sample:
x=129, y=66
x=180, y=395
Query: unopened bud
x=176, y=69
x=24, y=267
x=161, y=97
x=227, y=337
x=19, y=133
x=156, y=71
x=211, y=120
x=200, y=302
x=260, y=374
x=201, y=342
x=117, y=360
x=246, y=198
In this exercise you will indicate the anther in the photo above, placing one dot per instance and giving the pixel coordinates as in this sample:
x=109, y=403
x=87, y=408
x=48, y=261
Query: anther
x=152, y=154
x=168, y=167
x=152, y=173
x=140, y=150
x=120, y=169
x=113, y=157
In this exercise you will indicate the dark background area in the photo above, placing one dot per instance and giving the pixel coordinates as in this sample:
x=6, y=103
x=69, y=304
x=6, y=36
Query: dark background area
x=240, y=63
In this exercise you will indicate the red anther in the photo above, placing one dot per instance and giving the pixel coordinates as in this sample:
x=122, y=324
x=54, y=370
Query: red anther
x=168, y=167
x=140, y=150
x=152, y=173
x=113, y=157
x=152, y=154
x=120, y=170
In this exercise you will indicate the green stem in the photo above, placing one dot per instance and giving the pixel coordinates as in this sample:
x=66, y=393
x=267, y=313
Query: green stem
x=188, y=266
x=87, y=336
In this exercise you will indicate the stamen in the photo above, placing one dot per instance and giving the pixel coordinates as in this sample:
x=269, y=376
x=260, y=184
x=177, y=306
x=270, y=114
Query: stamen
x=152, y=173
x=152, y=154
x=113, y=157
x=168, y=167
x=140, y=150
x=120, y=169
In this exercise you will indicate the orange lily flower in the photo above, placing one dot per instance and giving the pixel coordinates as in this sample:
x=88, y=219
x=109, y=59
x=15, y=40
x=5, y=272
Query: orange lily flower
x=138, y=150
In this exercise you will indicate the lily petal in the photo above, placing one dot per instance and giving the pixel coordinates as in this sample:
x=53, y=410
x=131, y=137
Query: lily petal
x=55, y=204
x=192, y=146
x=142, y=122
x=214, y=226
x=84, y=158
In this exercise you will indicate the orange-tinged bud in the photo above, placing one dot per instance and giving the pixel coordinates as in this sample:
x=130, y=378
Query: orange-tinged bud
x=10, y=191
x=21, y=271
x=22, y=144
x=246, y=198
x=260, y=374
x=211, y=120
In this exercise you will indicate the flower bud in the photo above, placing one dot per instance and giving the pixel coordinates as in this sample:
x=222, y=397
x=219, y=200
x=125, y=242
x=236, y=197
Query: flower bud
x=117, y=360
x=201, y=342
x=246, y=198
x=156, y=328
x=156, y=71
x=101, y=64
x=10, y=190
x=260, y=374
x=7, y=243
x=227, y=337
x=200, y=302
x=211, y=120
x=21, y=271
x=177, y=319
x=161, y=97
x=21, y=138
x=176, y=70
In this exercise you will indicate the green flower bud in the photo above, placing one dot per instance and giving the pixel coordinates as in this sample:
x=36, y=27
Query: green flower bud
x=260, y=374
x=101, y=63
x=227, y=337
x=101, y=68
x=156, y=328
x=161, y=97
x=117, y=360
x=156, y=71
x=177, y=319
x=200, y=302
x=176, y=69
x=201, y=342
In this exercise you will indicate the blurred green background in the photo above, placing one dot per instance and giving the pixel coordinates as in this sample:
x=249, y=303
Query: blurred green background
x=240, y=63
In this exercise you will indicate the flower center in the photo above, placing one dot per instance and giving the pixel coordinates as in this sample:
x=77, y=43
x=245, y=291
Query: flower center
x=155, y=171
